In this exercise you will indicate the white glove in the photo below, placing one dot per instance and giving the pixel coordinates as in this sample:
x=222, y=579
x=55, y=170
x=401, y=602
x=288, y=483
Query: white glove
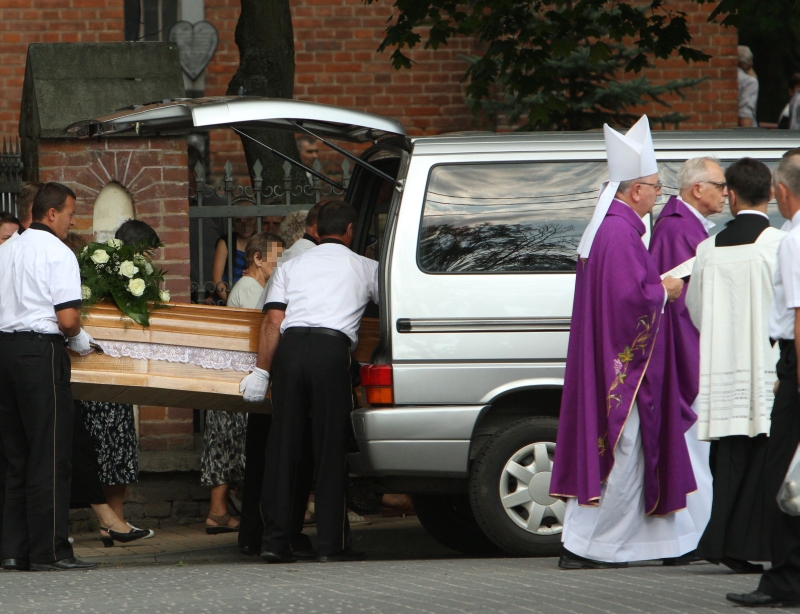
x=80, y=343
x=254, y=386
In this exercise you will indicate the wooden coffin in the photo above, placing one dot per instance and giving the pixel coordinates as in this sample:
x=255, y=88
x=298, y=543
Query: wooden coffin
x=148, y=381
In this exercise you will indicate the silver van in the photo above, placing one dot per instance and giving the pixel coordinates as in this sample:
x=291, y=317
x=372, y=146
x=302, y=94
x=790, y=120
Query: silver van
x=476, y=235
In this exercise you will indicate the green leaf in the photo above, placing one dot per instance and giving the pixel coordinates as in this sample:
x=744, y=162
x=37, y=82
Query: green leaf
x=133, y=307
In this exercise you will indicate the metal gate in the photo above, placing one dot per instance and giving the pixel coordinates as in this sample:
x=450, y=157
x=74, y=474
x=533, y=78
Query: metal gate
x=10, y=175
x=210, y=205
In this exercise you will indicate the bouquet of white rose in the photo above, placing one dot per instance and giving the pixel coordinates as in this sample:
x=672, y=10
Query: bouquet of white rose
x=124, y=274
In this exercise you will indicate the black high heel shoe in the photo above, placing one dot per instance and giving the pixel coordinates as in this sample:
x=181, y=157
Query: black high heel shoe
x=124, y=538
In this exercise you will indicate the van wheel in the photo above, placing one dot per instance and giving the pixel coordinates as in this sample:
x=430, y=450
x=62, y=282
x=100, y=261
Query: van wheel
x=449, y=520
x=509, y=489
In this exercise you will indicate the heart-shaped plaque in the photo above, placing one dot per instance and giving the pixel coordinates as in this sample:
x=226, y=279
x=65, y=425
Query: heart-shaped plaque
x=197, y=43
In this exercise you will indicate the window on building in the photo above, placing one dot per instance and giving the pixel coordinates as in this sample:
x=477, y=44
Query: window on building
x=150, y=20
x=507, y=217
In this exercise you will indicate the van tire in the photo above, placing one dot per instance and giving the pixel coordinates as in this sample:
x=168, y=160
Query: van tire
x=525, y=440
x=449, y=520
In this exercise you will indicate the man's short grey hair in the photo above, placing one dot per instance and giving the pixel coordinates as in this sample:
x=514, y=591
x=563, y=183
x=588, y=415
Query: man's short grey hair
x=694, y=170
x=745, y=55
x=788, y=171
x=292, y=227
x=625, y=186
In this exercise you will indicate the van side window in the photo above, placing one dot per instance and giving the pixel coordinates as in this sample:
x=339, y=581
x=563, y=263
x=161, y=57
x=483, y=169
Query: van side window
x=507, y=217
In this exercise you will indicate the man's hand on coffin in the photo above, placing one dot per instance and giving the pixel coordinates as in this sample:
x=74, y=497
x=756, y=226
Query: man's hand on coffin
x=81, y=343
x=254, y=386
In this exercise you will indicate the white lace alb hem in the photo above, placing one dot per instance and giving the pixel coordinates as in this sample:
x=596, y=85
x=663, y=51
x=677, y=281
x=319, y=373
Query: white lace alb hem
x=202, y=357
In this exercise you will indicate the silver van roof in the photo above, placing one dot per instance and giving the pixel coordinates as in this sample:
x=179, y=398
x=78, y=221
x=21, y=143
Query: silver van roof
x=193, y=114
x=749, y=140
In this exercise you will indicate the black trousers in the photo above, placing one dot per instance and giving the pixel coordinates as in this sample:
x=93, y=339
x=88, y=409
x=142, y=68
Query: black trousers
x=782, y=580
x=311, y=387
x=251, y=525
x=86, y=487
x=36, y=424
x=740, y=512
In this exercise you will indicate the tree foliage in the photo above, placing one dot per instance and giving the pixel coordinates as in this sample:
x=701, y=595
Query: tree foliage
x=530, y=47
x=764, y=15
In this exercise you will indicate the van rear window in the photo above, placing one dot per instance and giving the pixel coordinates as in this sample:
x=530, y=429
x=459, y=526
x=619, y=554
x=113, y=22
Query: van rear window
x=507, y=217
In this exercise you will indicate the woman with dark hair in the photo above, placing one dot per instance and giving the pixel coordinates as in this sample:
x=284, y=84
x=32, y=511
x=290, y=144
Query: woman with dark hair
x=112, y=425
x=87, y=490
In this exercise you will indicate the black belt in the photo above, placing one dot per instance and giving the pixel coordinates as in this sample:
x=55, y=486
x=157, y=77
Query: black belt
x=30, y=335
x=317, y=330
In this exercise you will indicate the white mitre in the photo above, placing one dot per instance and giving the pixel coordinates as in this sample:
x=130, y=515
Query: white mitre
x=630, y=156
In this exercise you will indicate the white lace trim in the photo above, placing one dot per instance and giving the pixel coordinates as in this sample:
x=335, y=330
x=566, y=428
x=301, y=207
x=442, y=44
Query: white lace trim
x=202, y=357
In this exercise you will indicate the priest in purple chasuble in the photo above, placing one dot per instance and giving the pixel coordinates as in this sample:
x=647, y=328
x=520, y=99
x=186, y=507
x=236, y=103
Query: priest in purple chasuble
x=621, y=458
x=680, y=228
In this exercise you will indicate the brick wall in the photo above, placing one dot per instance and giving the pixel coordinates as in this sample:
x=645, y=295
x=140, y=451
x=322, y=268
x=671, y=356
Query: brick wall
x=337, y=63
x=155, y=173
x=713, y=103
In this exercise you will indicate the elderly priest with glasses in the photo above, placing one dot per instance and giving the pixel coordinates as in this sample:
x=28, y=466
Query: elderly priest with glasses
x=621, y=458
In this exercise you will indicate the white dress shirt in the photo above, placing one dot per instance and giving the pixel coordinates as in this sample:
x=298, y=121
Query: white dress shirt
x=754, y=212
x=298, y=248
x=787, y=284
x=707, y=224
x=39, y=276
x=328, y=286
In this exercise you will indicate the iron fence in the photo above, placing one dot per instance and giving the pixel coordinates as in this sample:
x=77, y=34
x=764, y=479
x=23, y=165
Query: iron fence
x=10, y=175
x=216, y=212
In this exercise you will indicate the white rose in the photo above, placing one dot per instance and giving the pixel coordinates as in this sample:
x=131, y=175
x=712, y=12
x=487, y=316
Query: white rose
x=136, y=286
x=115, y=243
x=86, y=293
x=148, y=268
x=164, y=296
x=100, y=256
x=128, y=269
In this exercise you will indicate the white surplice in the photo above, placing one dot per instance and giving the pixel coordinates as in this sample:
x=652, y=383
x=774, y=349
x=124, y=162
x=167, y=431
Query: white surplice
x=617, y=530
x=729, y=300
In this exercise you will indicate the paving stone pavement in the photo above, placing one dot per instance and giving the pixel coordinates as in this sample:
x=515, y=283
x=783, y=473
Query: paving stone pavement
x=407, y=573
x=460, y=585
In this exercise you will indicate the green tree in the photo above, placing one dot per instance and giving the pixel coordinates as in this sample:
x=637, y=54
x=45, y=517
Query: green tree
x=558, y=63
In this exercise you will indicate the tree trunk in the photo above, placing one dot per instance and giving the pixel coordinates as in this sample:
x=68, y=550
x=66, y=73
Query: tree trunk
x=265, y=39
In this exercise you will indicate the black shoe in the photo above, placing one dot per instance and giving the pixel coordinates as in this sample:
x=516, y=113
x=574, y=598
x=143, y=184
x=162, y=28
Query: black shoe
x=344, y=555
x=278, y=557
x=759, y=599
x=573, y=561
x=68, y=564
x=740, y=566
x=307, y=554
x=684, y=559
x=124, y=538
x=16, y=564
x=301, y=541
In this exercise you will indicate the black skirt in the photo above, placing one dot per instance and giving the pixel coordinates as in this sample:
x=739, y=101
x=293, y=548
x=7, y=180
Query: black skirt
x=86, y=487
x=739, y=524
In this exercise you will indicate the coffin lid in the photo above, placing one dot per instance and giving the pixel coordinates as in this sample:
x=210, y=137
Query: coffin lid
x=193, y=114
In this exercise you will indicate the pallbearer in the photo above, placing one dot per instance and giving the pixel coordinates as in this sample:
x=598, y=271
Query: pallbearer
x=313, y=313
x=679, y=229
x=39, y=315
x=621, y=458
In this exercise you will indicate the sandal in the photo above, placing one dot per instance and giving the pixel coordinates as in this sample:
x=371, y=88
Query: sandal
x=223, y=527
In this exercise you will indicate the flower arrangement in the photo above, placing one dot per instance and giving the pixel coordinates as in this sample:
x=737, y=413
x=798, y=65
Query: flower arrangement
x=124, y=274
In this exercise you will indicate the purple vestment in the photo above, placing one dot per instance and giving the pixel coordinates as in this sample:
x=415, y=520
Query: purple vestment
x=616, y=357
x=676, y=235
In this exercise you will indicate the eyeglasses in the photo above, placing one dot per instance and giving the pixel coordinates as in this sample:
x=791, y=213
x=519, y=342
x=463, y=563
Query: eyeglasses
x=656, y=186
x=720, y=184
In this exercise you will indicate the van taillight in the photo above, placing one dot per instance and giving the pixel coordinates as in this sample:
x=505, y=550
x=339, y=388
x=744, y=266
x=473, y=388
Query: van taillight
x=376, y=380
